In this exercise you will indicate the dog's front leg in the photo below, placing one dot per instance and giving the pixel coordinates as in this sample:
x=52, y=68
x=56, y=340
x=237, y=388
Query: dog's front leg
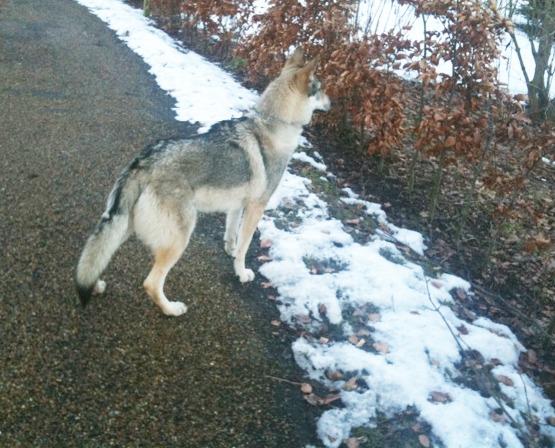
x=232, y=221
x=252, y=214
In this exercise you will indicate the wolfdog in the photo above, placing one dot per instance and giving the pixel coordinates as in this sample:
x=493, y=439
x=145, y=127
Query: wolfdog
x=233, y=168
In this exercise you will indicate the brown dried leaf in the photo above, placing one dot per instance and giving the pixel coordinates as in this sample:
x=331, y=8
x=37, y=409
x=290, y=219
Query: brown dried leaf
x=462, y=329
x=264, y=258
x=424, y=440
x=461, y=294
x=505, y=380
x=532, y=357
x=303, y=318
x=440, y=397
x=266, y=285
x=353, y=339
x=335, y=375
x=374, y=317
x=381, y=347
x=276, y=322
x=266, y=243
x=331, y=398
x=314, y=400
x=351, y=384
x=306, y=388
x=496, y=417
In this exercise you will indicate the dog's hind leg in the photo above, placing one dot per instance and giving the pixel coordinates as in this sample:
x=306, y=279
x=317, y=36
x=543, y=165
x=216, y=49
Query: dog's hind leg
x=165, y=227
x=232, y=221
x=165, y=259
x=252, y=214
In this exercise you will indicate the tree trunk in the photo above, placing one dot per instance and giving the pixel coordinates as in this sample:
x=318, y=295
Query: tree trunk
x=537, y=89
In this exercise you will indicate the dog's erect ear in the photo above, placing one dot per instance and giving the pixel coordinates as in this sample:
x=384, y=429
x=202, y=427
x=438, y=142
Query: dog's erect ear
x=311, y=66
x=297, y=59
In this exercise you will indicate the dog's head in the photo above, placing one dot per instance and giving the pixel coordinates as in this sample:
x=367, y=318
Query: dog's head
x=296, y=93
x=304, y=80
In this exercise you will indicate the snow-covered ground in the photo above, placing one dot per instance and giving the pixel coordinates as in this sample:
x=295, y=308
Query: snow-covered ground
x=389, y=334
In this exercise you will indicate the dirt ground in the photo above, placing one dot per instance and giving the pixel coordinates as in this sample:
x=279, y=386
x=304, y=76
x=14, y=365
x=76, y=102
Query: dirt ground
x=76, y=104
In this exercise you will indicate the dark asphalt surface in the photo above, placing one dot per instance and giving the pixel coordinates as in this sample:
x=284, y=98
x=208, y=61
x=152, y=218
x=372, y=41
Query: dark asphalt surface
x=75, y=105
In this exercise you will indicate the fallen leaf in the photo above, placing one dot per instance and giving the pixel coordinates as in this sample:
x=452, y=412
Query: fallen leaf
x=381, y=347
x=435, y=362
x=360, y=343
x=331, y=398
x=323, y=340
x=264, y=258
x=505, y=380
x=497, y=417
x=440, y=397
x=306, y=388
x=264, y=244
x=417, y=427
x=424, y=440
x=322, y=309
x=461, y=294
x=335, y=375
x=303, y=318
x=351, y=384
x=313, y=399
x=532, y=357
x=462, y=329
x=271, y=297
x=353, y=339
x=265, y=285
x=352, y=221
x=374, y=317
x=276, y=322
x=352, y=442
x=437, y=284
x=363, y=332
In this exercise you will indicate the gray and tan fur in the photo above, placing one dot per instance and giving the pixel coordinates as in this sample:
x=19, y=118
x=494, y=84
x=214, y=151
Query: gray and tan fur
x=233, y=168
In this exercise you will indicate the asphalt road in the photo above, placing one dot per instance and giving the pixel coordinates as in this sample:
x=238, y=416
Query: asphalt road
x=75, y=105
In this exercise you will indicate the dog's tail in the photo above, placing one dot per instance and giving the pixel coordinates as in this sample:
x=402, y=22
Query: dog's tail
x=110, y=232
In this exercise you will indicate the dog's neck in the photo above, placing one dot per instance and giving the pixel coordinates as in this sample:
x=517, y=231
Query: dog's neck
x=275, y=120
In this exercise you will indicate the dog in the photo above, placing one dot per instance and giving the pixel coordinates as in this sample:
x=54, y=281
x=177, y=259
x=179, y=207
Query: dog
x=233, y=168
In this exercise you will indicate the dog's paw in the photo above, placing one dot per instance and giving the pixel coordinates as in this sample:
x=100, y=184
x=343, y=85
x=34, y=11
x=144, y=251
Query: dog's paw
x=99, y=287
x=246, y=276
x=174, y=309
